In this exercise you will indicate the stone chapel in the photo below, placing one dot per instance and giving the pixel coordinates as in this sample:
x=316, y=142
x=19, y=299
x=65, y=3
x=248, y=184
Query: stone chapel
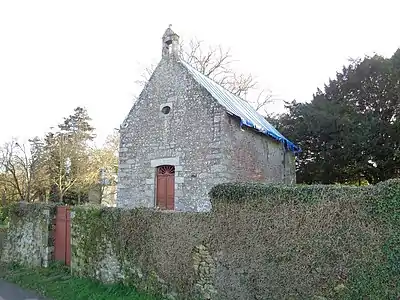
x=186, y=134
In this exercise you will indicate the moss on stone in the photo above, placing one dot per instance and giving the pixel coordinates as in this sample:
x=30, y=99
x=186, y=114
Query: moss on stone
x=260, y=242
x=28, y=237
x=120, y=245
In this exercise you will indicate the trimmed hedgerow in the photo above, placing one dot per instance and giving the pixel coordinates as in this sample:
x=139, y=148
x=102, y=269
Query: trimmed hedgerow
x=384, y=201
x=27, y=209
x=380, y=278
x=369, y=218
x=277, y=193
x=284, y=242
x=260, y=242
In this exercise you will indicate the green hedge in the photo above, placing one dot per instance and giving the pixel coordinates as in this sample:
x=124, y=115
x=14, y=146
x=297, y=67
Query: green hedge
x=21, y=209
x=377, y=279
x=381, y=279
x=273, y=241
x=277, y=193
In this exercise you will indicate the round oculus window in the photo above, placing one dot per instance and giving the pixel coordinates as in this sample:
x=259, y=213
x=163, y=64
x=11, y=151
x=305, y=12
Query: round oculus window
x=165, y=110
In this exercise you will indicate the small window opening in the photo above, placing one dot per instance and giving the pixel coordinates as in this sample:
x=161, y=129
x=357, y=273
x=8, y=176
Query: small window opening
x=165, y=110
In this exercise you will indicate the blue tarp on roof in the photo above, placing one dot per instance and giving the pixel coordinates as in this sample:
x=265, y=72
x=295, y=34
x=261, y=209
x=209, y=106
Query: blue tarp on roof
x=240, y=108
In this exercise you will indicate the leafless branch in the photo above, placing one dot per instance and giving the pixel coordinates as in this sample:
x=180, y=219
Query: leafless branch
x=18, y=163
x=145, y=75
x=216, y=63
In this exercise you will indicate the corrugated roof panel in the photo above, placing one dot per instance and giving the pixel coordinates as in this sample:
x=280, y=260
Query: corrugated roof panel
x=240, y=108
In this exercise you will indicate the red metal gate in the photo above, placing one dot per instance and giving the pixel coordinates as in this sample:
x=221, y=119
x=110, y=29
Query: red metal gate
x=62, y=236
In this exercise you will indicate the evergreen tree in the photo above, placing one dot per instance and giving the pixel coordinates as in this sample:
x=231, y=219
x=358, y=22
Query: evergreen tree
x=68, y=152
x=351, y=129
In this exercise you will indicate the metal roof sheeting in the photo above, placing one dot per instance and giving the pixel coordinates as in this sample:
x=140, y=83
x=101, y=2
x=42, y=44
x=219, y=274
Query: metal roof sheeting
x=240, y=108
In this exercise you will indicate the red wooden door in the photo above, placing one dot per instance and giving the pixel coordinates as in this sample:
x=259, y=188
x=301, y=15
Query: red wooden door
x=62, y=239
x=165, y=187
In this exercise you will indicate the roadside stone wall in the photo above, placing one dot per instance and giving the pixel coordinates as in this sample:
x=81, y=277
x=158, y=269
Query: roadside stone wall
x=204, y=268
x=258, y=242
x=3, y=233
x=29, y=237
x=127, y=245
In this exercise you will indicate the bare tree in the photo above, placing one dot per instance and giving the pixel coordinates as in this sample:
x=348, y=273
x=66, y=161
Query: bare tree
x=112, y=142
x=104, y=162
x=262, y=101
x=19, y=166
x=8, y=191
x=216, y=63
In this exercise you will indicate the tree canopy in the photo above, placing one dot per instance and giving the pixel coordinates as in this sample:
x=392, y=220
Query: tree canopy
x=351, y=129
x=61, y=166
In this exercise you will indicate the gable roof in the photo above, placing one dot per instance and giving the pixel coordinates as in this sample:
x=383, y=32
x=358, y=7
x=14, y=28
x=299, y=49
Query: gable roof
x=240, y=108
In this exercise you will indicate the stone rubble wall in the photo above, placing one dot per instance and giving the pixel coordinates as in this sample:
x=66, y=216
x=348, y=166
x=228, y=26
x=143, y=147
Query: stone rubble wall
x=204, y=144
x=188, y=137
x=258, y=242
x=3, y=234
x=29, y=237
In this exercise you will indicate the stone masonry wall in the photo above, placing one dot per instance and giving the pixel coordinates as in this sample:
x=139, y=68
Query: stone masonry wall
x=252, y=156
x=189, y=137
x=28, y=240
x=3, y=234
x=258, y=242
x=198, y=137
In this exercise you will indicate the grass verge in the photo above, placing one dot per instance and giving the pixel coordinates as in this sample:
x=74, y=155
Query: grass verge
x=56, y=283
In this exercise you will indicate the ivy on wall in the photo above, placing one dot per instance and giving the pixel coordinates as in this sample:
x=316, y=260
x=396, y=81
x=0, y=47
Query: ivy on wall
x=28, y=237
x=375, y=277
x=114, y=244
x=228, y=193
x=265, y=241
x=380, y=278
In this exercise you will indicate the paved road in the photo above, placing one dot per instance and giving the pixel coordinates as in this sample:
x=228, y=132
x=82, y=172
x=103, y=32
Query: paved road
x=9, y=291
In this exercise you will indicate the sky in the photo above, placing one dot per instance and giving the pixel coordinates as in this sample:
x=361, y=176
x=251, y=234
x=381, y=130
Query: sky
x=57, y=55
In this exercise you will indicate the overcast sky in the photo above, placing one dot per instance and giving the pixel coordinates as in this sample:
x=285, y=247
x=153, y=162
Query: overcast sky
x=57, y=55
